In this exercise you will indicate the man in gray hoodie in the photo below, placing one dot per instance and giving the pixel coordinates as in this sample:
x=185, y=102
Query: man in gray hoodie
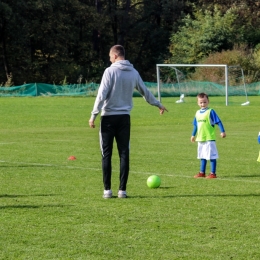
x=114, y=100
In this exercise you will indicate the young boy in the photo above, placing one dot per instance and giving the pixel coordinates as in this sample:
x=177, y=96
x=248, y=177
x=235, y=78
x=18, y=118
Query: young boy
x=204, y=127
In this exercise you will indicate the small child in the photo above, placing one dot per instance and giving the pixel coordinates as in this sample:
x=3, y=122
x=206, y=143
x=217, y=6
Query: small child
x=204, y=126
x=258, y=139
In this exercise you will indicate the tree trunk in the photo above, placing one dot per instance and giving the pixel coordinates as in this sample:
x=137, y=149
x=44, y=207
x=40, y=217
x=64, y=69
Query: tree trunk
x=4, y=55
x=125, y=23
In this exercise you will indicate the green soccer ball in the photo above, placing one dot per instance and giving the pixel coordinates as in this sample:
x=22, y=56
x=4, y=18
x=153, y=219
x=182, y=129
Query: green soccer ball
x=154, y=181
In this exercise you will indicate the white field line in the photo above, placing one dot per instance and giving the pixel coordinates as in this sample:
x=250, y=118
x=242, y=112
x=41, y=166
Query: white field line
x=51, y=165
x=131, y=172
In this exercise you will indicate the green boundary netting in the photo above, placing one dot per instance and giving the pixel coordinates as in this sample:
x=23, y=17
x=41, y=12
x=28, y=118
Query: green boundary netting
x=42, y=89
x=191, y=88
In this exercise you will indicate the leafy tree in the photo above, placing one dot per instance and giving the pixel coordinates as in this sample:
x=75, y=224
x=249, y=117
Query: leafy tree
x=208, y=32
x=248, y=15
x=144, y=28
x=60, y=38
x=51, y=40
x=45, y=41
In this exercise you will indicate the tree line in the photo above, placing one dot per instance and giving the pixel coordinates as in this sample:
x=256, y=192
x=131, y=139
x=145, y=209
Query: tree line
x=67, y=41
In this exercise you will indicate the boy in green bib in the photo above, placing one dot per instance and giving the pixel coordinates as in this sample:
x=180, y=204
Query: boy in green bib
x=204, y=130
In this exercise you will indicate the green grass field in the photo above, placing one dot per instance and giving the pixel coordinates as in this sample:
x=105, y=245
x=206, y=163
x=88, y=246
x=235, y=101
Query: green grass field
x=52, y=208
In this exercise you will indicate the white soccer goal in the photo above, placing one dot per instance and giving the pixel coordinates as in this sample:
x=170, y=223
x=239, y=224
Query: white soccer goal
x=190, y=79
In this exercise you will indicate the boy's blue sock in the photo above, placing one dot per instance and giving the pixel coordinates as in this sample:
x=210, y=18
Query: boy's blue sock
x=203, y=164
x=213, y=165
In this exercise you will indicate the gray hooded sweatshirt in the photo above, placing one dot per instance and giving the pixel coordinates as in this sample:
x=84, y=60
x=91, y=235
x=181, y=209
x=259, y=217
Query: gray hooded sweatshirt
x=116, y=90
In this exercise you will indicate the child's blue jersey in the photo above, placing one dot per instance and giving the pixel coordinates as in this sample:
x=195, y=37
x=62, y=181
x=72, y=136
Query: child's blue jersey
x=214, y=120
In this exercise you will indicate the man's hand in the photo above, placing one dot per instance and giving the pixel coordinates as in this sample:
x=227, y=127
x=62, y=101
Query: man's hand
x=162, y=109
x=91, y=123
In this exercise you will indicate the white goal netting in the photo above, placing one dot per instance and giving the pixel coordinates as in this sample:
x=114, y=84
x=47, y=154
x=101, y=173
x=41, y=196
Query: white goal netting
x=189, y=80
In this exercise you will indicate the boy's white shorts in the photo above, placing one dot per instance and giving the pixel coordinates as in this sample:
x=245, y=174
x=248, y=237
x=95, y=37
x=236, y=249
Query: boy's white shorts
x=207, y=150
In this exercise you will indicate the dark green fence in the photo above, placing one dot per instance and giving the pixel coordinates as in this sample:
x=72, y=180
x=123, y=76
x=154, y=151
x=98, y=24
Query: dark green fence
x=191, y=88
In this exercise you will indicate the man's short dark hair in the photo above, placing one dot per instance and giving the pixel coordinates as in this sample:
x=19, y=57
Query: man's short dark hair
x=118, y=50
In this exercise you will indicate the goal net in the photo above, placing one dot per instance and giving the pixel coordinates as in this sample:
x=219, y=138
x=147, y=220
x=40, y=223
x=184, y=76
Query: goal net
x=190, y=79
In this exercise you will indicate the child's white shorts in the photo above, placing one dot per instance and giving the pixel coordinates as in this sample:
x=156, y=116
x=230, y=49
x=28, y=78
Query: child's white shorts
x=207, y=150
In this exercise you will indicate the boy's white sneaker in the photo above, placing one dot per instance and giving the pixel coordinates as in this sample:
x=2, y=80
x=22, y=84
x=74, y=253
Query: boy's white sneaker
x=107, y=194
x=122, y=194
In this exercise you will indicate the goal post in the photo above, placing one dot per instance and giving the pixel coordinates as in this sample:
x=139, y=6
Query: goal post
x=224, y=67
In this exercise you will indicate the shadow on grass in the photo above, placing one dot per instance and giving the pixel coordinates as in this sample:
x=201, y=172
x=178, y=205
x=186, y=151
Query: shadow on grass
x=246, y=176
x=21, y=196
x=193, y=196
x=31, y=206
x=28, y=166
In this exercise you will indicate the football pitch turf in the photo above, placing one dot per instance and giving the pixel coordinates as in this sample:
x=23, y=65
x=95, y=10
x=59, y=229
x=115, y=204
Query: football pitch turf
x=52, y=207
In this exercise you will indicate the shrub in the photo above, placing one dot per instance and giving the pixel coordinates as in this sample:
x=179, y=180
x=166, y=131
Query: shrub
x=240, y=55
